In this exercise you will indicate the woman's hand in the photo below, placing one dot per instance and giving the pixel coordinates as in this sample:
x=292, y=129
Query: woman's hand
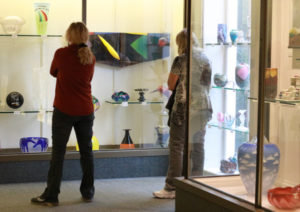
x=172, y=80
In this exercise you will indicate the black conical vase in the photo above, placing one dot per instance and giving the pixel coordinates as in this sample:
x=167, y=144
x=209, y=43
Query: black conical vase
x=127, y=141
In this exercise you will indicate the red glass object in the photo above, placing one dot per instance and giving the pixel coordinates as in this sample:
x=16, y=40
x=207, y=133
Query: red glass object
x=285, y=198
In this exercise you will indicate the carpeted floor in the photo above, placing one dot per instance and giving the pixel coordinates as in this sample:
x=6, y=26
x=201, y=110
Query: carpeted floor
x=112, y=195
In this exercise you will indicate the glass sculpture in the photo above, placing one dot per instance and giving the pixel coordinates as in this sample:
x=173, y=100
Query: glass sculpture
x=247, y=165
x=33, y=144
x=14, y=100
x=141, y=93
x=242, y=75
x=120, y=96
x=41, y=11
x=124, y=49
x=96, y=103
x=222, y=33
x=127, y=141
x=95, y=144
x=285, y=198
x=12, y=24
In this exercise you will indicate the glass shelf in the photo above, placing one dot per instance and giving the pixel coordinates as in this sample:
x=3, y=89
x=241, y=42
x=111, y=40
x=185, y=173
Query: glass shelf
x=228, y=44
x=29, y=35
x=233, y=129
x=281, y=101
x=294, y=47
x=18, y=112
x=217, y=172
x=133, y=102
x=231, y=89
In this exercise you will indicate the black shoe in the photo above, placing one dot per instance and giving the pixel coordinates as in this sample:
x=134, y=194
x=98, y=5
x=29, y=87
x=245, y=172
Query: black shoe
x=42, y=201
x=87, y=199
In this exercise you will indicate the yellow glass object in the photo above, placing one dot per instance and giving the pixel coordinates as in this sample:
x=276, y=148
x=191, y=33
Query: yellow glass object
x=110, y=49
x=95, y=144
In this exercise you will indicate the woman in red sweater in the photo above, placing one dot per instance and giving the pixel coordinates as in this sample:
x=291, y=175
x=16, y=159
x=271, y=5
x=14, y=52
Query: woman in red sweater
x=73, y=68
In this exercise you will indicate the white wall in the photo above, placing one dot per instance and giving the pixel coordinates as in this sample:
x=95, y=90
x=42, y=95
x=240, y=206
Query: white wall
x=21, y=57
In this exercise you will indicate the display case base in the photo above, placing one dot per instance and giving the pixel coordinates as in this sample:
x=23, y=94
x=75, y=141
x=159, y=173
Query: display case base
x=20, y=168
x=191, y=196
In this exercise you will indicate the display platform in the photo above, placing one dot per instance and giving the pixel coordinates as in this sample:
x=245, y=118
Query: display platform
x=33, y=167
x=192, y=196
x=229, y=184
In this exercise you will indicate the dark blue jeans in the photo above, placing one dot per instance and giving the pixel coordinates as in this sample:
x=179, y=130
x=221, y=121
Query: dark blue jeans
x=61, y=129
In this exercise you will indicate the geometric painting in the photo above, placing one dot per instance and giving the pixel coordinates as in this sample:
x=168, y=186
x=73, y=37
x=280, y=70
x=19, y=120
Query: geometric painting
x=124, y=49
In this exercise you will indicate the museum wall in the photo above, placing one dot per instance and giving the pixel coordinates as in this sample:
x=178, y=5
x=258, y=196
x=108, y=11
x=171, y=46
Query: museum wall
x=25, y=62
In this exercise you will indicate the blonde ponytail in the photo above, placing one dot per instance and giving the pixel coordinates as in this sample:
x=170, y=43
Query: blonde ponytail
x=85, y=55
x=78, y=33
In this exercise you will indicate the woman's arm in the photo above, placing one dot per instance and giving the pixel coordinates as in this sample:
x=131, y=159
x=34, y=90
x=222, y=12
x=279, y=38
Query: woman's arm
x=172, y=80
x=54, y=68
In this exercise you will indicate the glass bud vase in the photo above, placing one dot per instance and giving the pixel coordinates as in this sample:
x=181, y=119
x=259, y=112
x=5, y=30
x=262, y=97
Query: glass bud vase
x=127, y=141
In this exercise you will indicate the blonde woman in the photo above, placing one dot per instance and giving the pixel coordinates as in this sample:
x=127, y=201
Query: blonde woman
x=200, y=111
x=73, y=68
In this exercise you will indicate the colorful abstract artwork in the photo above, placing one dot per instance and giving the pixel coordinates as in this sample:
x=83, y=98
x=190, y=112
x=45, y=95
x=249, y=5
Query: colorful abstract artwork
x=124, y=49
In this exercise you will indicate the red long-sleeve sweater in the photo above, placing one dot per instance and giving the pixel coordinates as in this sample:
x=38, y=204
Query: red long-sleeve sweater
x=73, y=82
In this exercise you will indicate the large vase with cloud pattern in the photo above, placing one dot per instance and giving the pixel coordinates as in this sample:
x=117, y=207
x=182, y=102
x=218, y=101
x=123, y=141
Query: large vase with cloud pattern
x=247, y=165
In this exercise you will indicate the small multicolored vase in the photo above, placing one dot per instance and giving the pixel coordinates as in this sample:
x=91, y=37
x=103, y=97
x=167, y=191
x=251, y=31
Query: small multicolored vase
x=120, y=96
x=220, y=80
x=242, y=75
x=96, y=104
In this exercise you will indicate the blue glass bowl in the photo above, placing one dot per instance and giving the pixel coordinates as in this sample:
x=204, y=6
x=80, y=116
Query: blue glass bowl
x=33, y=144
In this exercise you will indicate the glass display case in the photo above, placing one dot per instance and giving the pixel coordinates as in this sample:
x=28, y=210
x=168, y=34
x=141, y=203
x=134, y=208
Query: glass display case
x=29, y=37
x=130, y=27
x=251, y=144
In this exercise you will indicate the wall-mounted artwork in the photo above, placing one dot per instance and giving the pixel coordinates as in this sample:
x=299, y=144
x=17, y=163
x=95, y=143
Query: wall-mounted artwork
x=124, y=49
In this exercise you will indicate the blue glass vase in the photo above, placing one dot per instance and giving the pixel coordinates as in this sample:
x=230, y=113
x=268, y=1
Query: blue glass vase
x=234, y=34
x=247, y=165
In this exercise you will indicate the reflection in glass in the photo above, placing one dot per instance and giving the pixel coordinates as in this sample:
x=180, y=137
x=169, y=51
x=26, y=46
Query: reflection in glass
x=216, y=132
x=200, y=106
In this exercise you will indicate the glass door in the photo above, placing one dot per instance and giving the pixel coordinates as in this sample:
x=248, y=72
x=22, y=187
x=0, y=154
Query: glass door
x=282, y=97
x=223, y=79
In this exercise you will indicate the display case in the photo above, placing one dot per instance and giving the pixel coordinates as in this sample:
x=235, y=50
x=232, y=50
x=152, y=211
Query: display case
x=26, y=55
x=252, y=165
x=30, y=33
x=147, y=42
